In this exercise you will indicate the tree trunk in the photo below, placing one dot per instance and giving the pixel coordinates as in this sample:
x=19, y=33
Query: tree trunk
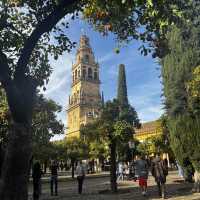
x=113, y=168
x=15, y=169
x=72, y=163
x=45, y=166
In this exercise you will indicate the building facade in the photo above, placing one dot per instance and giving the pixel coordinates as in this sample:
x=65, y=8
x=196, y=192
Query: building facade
x=148, y=130
x=84, y=100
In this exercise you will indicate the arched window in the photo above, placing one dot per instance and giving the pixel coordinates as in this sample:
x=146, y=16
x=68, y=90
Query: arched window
x=86, y=58
x=84, y=73
x=75, y=74
x=95, y=75
x=89, y=73
x=79, y=73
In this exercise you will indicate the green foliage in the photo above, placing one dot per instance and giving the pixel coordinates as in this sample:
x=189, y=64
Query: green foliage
x=76, y=149
x=108, y=127
x=45, y=124
x=182, y=109
x=129, y=115
x=18, y=25
x=4, y=118
x=177, y=68
x=98, y=146
x=125, y=19
x=127, y=112
x=144, y=148
x=193, y=89
x=185, y=139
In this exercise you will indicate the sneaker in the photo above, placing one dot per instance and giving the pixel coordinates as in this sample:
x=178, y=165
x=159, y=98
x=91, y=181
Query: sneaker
x=143, y=193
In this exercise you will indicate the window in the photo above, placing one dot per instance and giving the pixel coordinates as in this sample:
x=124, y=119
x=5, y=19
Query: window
x=86, y=58
x=89, y=73
x=79, y=73
x=95, y=75
x=84, y=73
x=75, y=74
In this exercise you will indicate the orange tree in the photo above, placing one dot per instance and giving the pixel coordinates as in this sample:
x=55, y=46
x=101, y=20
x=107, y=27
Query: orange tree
x=112, y=131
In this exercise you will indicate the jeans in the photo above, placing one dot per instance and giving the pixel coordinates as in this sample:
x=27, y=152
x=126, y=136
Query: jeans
x=36, y=189
x=54, y=182
x=161, y=189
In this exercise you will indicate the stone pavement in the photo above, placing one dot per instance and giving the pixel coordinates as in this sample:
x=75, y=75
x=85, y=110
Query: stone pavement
x=97, y=188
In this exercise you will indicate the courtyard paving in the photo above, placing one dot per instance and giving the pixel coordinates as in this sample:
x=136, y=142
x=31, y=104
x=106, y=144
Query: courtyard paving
x=97, y=188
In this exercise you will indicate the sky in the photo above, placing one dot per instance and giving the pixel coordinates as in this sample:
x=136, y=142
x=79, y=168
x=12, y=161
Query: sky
x=142, y=73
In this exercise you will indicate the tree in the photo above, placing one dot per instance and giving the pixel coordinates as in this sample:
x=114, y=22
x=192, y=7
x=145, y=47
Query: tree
x=98, y=146
x=25, y=28
x=110, y=129
x=181, y=107
x=4, y=119
x=45, y=125
x=127, y=112
x=77, y=149
x=193, y=91
x=125, y=18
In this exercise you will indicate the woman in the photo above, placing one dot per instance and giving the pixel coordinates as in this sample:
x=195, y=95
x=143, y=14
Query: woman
x=80, y=172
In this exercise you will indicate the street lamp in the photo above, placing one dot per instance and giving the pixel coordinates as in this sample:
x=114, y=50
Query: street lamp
x=131, y=145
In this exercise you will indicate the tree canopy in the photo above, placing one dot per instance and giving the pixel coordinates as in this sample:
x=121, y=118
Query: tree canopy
x=179, y=74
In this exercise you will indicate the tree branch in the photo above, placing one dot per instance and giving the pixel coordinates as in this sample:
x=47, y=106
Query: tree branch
x=45, y=26
x=5, y=73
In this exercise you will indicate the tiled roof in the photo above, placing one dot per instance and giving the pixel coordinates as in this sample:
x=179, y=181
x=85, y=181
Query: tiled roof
x=148, y=127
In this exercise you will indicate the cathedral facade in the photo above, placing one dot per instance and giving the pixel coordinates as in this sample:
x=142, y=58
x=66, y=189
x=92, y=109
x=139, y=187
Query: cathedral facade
x=85, y=99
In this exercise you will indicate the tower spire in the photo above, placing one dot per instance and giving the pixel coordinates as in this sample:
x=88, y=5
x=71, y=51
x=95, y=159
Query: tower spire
x=122, y=88
x=85, y=101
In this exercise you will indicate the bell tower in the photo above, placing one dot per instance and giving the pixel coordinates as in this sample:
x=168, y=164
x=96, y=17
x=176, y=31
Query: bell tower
x=84, y=100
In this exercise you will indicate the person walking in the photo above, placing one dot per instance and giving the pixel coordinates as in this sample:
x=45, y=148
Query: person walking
x=36, y=175
x=159, y=170
x=120, y=172
x=196, y=182
x=180, y=170
x=143, y=171
x=54, y=178
x=80, y=172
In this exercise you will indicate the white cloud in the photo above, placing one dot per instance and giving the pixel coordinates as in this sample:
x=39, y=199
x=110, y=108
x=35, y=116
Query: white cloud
x=58, y=87
x=106, y=57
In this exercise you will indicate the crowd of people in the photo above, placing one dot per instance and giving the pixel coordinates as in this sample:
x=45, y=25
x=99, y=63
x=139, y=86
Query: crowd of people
x=139, y=170
x=54, y=167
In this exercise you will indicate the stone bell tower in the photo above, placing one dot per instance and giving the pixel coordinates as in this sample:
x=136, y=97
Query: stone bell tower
x=85, y=100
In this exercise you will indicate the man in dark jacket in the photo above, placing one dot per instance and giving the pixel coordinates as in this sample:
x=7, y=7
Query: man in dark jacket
x=142, y=167
x=36, y=175
x=54, y=178
x=159, y=170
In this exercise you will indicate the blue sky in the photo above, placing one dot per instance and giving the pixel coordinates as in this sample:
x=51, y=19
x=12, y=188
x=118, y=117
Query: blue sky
x=143, y=82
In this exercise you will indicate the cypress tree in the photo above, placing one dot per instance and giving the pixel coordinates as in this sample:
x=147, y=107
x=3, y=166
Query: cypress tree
x=122, y=88
x=177, y=68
